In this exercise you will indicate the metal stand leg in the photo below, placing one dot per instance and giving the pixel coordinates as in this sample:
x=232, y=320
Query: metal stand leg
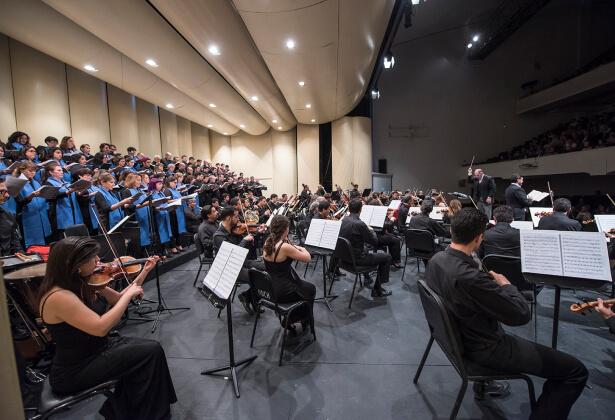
x=555, y=317
x=325, y=297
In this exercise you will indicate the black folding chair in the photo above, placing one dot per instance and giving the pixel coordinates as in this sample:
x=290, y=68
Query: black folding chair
x=51, y=403
x=264, y=296
x=203, y=259
x=443, y=329
x=76, y=230
x=346, y=261
x=419, y=244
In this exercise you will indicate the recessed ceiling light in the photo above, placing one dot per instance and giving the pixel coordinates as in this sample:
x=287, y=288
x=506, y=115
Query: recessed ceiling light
x=274, y=121
x=308, y=105
x=212, y=105
x=150, y=62
x=469, y=45
x=90, y=67
x=254, y=98
x=170, y=106
x=475, y=38
x=290, y=43
x=313, y=120
x=280, y=127
x=225, y=133
x=214, y=50
x=210, y=125
x=301, y=83
x=242, y=126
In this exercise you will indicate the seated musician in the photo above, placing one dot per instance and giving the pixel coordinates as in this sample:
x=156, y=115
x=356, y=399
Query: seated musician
x=192, y=216
x=560, y=219
x=279, y=254
x=323, y=210
x=263, y=210
x=403, y=211
x=358, y=233
x=502, y=239
x=424, y=222
x=227, y=232
x=79, y=318
x=606, y=310
x=386, y=237
x=10, y=239
x=453, y=207
x=479, y=302
x=207, y=228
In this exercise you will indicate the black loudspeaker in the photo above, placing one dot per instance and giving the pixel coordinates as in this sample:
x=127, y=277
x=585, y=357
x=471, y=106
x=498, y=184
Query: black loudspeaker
x=382, y=166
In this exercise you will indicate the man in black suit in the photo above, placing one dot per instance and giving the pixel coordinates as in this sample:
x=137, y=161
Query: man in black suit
x=502, y=239
x=402, y=214
x=517, y=198
x=483, y=190
x=424, y=222
x=559, y=220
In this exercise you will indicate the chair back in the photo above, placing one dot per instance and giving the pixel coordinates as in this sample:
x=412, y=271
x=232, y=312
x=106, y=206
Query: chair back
x=198, y=245
x=443, y=328
x=343, y=251
x=508, y=266
x=421, y=242
x=262, y=285
x=76, y=230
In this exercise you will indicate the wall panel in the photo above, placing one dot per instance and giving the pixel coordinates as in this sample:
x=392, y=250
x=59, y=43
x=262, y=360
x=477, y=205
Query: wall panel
x=149, y=128
x=200, y=142
x=252, y=155
x=362, y=151
x=122, y=119
x=307, y=156
x=41, y=95
x=184, y=137
x=284, y=150
x=342, y=154
x=220, y=148
x=8, y=124
x=89, y=115
x=168, y=132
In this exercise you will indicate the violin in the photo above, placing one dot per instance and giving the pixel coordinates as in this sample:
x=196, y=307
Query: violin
x=105, y=273
x=580, y=308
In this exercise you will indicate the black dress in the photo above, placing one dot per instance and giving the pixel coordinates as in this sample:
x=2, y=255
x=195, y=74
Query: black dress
x=288, y=287
x=145, y=389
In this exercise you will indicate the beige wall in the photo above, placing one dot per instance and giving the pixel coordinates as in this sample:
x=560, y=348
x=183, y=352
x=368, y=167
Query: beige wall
x=252, y=155
x=351, y=151
x=149, y=128
x=200, y=142
x=89, y=114
x=122, y=119
x=168, y=132
x=307, y=156
x=40, y=93
x=284, y=149
x=220, y=147
x=8, y=123
x=184, y=136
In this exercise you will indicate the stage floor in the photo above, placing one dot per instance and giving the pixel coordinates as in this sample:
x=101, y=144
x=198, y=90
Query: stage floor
x=362, y=365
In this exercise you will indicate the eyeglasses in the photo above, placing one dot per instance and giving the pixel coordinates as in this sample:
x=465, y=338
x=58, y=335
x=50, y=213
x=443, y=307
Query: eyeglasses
x=4, y=192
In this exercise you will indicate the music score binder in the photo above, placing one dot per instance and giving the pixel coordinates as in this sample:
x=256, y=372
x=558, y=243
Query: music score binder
x=323, y=233
x=222, y=275
x=374, y=215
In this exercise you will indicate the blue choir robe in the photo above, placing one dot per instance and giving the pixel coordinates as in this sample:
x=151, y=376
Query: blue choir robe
x=34, y=217
x=67, y=176
x=10, y=206
x=142, y=216
x=163, y=221
x=179, y=212
x=114, y=215
x=93, y=214
x=2, y=165
x=68, y=212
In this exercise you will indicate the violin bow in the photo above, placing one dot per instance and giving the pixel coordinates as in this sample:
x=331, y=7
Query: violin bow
x=550, y=193
x=612, y=202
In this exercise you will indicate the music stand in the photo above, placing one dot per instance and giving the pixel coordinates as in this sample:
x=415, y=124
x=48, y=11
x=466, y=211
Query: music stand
x=217, y=287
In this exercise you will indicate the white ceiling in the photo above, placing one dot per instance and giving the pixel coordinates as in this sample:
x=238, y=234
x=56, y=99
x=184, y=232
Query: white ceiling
x=336, y=46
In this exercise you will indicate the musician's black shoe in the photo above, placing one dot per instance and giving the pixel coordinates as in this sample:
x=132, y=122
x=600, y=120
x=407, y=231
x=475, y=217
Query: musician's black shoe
x=245, y=301
x=490, y=389
x=338, y=273
x=378, y=292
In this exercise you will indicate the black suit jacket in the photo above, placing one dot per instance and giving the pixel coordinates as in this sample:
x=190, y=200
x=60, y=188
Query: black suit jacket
x=426, y=223
x=483, y=189
x=502, y=239
x=558, y=221
x=517, y=199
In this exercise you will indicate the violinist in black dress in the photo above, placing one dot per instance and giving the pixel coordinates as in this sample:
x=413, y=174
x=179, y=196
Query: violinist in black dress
x=79, y=318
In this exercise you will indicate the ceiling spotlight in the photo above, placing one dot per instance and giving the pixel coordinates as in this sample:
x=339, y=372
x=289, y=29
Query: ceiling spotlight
x=90, y=67
x=290, y=44
x=308, y=106
x=274, y=121
x=214, y=50
x=210, y=126
x=475, y=38
x=151, y=63
x=301, y=83
x=254, y=98
x=470, y=45
x=280, y=127
x=415, y=2
x=212, y=105
x=389, y=61
x=313, y=120
x=225, y=133
x=375, y=94
x=170, y=106
x=242, y=126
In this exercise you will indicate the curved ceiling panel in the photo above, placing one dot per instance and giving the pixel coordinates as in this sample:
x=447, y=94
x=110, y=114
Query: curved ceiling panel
x=336, y=44
x=217, y=24
x=52, y=33
x=138, y=31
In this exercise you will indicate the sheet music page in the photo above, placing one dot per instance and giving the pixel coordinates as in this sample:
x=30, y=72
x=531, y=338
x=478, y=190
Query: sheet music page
x=379, y=214
x=436, y=213
x=225, y=269
x=394, y=204
x=330, y=234
x=541, y=252
x=536, y=195
x=605, y=222
x=315, y=232
x=584, y=255
x=536, y=211
x=518, y=224
x=366, y=214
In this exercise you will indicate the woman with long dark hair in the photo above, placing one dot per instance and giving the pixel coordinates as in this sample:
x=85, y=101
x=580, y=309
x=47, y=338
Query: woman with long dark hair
x=279, y=254
x=68, y=145
x=79, y=319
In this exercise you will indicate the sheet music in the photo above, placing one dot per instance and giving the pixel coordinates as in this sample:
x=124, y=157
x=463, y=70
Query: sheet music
x=535, y=217
x=373, y=215
x=605, y=222
x=366, y=214
x=537, y=195
x=584, y=255
x=522, y=225
x=317, y=226
x=437, y=214
x=323, y=233
x=394, y=204
x=15, y=185
x=118, y=224
x=225, y=269
x=541, y=252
